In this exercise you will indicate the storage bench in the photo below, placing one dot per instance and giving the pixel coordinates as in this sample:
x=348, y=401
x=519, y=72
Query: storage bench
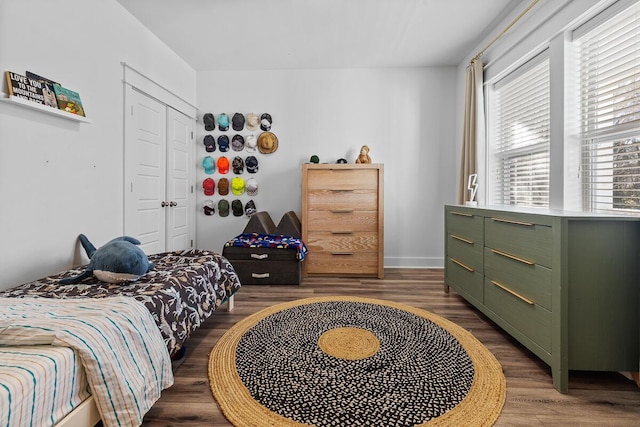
x=265, y=254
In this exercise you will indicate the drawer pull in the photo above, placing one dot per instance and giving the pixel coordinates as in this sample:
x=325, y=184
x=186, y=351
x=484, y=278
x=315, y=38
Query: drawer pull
x=510, y=221
x=260, y=275
x=462, y=240
x=461, y=214
x=515, y=258
x=342, y=253
x=466, y=267
x=342, y=211
x=515, y=294
x=342, y=190
x=342, y=232
x=260, y=256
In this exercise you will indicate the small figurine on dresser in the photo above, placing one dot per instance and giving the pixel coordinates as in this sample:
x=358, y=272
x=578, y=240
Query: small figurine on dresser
x=364, y=155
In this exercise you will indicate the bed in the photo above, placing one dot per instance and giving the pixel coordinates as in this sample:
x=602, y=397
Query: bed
x=180, y=293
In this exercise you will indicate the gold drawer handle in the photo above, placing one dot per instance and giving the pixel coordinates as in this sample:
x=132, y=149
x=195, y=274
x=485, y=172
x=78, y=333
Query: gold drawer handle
x=469, y=269
x=342, y=253
x=342, y=232
x=462, y=240
x=515, y=258
x=342, y=211
x=260, y=256
x=260, y=275
x=510, y=221
x=515, y=294
x=461, y=214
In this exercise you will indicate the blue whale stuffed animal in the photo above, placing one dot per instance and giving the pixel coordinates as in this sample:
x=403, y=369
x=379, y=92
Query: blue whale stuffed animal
x=118, y=261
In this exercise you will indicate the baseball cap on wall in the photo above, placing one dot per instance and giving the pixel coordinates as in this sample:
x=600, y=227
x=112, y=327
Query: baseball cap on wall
x=251, y=187
x=237, y=185
x=252, y=121
x=236, y=207
x=209, y=143
x=209, y=186
x=223, y=122
x=208, y=165
x=223, y=207
x=209, y=123
x=223, y=186
x=237, y=121
x=223, y=165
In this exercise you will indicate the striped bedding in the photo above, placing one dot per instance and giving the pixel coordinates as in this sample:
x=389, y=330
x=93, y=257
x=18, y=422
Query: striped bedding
x=116, y=339
x=39, y=385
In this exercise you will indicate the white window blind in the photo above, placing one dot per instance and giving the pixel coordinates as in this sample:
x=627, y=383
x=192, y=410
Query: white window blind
x=610, y=112
x=520, y=136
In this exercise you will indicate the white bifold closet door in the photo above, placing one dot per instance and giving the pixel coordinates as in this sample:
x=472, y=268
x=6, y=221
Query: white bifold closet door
x=159, y=201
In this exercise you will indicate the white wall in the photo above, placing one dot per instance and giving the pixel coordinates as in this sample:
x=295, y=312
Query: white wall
x=60, y=178
x=406, y=116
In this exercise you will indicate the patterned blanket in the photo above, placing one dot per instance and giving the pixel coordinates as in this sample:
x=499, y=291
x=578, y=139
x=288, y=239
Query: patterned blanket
x=181, y=292
x=122, y=352
x=257, y=240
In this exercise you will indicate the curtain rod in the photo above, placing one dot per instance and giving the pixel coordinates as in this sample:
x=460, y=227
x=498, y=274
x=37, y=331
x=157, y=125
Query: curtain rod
x=502, y=33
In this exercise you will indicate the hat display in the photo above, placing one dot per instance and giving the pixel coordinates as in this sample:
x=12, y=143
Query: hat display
x=208, y=207
x=236, y=207
x=265, y=121
x=237, y=143
x=252, y=164
x=251, y=143
x=251, y=187
x=250, y=208
x=223, y=165
x=267, y=142
x=223, y=143
x=252, y=121
x=223, y=122
x=238, y=165
x=223, y=186
x=314, y=159
x=237, y=121
x=209, y=123
x=208, y=165
x=209, y=143
x=209, y=186
x=223, y=208
x=237, y=186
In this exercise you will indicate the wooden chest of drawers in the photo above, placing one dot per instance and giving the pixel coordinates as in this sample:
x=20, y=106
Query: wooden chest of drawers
x=343, y=219
x=563, y=284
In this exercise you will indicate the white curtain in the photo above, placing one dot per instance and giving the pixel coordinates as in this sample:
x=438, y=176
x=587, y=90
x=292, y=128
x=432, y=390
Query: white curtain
x=473, y=133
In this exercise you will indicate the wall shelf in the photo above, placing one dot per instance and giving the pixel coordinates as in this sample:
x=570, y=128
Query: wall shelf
x=45, y=109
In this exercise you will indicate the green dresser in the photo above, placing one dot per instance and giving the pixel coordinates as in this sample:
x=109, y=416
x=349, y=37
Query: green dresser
x=563, y=284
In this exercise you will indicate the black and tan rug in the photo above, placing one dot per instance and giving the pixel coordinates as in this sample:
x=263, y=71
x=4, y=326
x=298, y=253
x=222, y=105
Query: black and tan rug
x=344, y=361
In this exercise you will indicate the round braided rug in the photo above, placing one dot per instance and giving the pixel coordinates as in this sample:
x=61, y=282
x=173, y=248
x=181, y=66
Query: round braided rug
x=345, y=361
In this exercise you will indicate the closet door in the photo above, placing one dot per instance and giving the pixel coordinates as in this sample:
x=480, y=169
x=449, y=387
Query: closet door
x=145, y=170
x=180, y=215
x=159, y=202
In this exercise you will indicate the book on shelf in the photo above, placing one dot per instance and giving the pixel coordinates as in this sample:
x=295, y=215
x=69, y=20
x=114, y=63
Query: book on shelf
x=68, y=100
x=47, y=89
x=23, y=87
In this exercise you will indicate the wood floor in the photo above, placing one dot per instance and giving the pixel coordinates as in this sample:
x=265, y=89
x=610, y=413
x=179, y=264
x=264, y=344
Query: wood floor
x=594, y=399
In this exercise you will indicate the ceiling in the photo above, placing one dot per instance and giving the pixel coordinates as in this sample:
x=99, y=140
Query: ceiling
x=307, y=34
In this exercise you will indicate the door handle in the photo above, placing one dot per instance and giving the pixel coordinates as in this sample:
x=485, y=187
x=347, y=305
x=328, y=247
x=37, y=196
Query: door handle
x=164, y=204
x=172, y=204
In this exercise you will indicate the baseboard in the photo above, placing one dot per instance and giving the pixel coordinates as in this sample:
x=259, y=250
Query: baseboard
x=417, y=262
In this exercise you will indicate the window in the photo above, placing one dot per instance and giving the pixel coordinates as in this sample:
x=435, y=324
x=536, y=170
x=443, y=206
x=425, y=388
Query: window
x=610, y=112
x=519, y=135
